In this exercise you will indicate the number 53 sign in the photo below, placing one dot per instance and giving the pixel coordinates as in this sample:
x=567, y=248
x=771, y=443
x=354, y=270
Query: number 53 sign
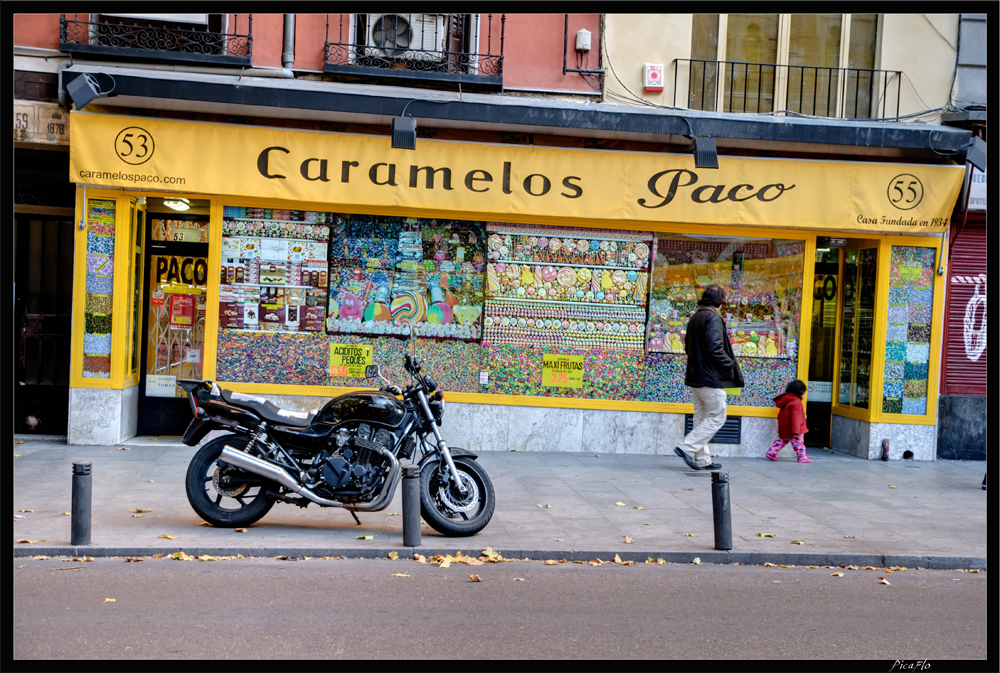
x=562, y=371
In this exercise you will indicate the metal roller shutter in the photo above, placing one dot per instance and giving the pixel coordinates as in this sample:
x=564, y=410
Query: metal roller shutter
x=965, y=357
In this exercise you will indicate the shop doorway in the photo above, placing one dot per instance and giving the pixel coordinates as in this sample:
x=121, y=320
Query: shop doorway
x=176, y=264
x=843, y=312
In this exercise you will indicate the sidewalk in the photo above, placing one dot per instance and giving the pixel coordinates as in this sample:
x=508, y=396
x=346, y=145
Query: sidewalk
x=934, y=518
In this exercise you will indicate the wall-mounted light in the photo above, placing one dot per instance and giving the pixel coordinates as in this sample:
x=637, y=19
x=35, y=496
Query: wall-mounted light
x=177, y=204
x=404, y=133
x=706, y=154
x=83, y=90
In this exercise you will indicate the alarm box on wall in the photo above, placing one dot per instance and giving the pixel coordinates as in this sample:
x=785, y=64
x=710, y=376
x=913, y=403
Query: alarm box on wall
x=652, y=77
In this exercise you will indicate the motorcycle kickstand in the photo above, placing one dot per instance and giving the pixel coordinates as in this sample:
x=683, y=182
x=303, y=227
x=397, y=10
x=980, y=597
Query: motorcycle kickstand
x=355, y=516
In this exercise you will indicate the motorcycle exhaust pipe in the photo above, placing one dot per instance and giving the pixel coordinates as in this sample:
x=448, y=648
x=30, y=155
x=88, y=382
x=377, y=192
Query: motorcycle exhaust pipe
x=383, y=499
x=245, y=461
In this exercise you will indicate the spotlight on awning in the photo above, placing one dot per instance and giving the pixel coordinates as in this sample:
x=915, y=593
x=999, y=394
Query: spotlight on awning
x=705, y=153
x=404, y=133
x=83, y=90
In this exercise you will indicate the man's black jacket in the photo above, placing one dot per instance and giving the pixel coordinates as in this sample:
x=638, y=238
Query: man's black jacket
x=711, y=362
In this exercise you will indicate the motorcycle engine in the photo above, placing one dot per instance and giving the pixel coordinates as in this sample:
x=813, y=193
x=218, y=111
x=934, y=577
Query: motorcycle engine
x=356, y=461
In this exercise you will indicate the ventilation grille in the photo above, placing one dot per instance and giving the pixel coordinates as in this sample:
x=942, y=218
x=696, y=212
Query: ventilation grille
x=731, y=431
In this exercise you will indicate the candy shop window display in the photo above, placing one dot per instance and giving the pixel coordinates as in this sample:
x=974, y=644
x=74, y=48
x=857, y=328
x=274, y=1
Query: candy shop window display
x=274, y=269
x=762, y=279
x=578, y=288
x=388, y=273
x=908, y=334
x=100, y=281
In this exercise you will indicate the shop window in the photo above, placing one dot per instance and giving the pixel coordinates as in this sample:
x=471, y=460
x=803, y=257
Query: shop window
x=857, y=326
x=99, y=288
x=762, y=279
x=908, y=334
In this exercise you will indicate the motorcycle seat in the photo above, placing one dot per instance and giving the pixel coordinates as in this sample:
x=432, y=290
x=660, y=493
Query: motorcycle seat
x=267, y=410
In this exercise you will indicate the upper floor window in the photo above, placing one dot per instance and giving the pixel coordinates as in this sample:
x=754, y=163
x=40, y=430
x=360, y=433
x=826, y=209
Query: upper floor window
x=215, y=38
x=461, y=48
x=814, y=64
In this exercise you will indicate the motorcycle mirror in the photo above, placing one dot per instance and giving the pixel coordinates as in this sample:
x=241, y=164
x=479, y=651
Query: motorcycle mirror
x=372, y=372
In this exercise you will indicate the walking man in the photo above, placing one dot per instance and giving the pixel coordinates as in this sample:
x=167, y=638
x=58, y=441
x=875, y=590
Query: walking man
x=711, y=367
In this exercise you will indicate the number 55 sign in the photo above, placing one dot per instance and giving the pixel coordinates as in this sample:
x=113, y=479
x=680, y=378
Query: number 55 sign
x=905, y=191
x=562, y=371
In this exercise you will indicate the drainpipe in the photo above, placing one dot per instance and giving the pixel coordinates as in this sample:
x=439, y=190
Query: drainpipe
x=63, y=95
x=288, y=52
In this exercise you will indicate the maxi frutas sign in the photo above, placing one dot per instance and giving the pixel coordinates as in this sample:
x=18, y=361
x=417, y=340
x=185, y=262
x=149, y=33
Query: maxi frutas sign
x=499, y=180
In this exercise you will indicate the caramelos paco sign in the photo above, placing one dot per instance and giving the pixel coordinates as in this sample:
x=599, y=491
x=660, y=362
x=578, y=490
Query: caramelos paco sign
x=522, y=183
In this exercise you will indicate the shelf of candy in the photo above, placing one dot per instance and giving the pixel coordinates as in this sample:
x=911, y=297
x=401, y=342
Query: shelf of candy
x=99, y=283
x=531, y=324
x=274, y=270
x=390, y=273
x=580, y=247
x=763, y=301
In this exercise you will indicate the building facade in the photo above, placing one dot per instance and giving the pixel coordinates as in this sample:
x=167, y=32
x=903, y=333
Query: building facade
x=242, y=214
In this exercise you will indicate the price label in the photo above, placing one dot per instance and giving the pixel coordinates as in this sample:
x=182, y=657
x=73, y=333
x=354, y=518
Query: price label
x=562, y=371
x=349, y=360
x=910, y=272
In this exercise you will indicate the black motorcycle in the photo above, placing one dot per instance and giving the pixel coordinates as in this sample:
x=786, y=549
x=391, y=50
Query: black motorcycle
x=346, y=454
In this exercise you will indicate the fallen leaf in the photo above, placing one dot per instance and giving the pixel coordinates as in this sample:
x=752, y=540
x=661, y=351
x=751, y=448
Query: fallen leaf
x=149, y=481
x=766, y=535
x=204, y=523
x=538, y=504
x=472, y=562
x=17, y=455
x=849, y=536
x=660, y=562
x=971, y=570
x=19, y=441
x=400, y=575
x=596, y=562
x=638, y=508
x=423, y=522
x=28, y=541
x=366, y=537
x=813, y=567
x=181, y=556
x=618, y=503
x=419, y=558
x=696, y=561
x=153, y=439
x=871, y=568
x=559, y=540
x=141, y=511
x=137, y=516
x=852, y=567
x=891, y=486
x=475, y=578
x=65, y=513
x=169, y=537
x=160, y=555
x=628, y=540
x=798, y=542
x=124, y=448
x=27, y=510
x=394, y=555
x=207, y=558
x=644, y=523
x=40, y=558
x=688, y=534
x=282, y=558
x=579, y=561
x=548, y=507
x=650, y=561
x=109, y=600
x=882, y=580
x=241, y=530
x=393, y=513
x=24, y=566
x=518, y=579
x=768, y=564
x=597, y=455
x=687, y=489
x=132, y=559
x=445, y=563
x=550, y=562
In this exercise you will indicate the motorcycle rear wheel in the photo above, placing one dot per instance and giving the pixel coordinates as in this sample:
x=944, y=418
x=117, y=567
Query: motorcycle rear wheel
x=434, y=505
x=249, y=504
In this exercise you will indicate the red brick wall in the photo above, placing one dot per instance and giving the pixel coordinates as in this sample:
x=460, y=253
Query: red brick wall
x=533, y=50
x=37, y=30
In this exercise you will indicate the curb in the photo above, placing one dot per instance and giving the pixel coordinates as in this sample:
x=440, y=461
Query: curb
x=709, y=556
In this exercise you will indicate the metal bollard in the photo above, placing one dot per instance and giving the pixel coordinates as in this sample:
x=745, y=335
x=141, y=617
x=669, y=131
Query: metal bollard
x=80, y=517
x=411, y=505
x=720, y=511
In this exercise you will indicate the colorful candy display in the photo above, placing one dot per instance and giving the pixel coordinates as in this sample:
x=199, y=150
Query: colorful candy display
x=762, y=282
x=907, y=348
x=100, y=281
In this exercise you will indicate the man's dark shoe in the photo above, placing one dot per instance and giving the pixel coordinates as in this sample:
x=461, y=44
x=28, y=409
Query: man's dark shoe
x=687, y=459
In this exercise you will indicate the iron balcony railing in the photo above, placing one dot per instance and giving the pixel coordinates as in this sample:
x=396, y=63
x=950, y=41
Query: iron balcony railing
x=435, y=48
x=148, y=39
x=853, y=93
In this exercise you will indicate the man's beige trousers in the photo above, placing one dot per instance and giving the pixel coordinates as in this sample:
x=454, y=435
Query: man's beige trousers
x=709, y=415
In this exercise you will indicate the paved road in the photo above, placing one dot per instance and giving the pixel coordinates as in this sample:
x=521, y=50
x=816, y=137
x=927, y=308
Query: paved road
x=355, y=609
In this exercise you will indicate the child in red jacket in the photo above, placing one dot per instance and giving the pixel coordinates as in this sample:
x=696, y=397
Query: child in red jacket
x=791, y=422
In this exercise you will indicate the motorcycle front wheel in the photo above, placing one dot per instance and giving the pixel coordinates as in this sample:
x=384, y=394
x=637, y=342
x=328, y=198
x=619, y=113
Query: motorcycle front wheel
x=223, y=495
x=447, y=510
